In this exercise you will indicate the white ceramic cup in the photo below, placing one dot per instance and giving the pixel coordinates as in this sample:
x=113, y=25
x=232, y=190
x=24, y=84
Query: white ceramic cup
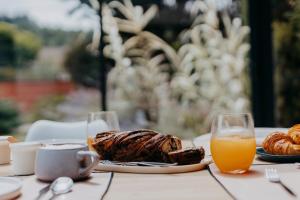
x=71, y=160
x=23, y=157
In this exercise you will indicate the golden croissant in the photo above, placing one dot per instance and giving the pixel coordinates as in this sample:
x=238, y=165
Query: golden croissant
x=294, y=133
x=281, y=144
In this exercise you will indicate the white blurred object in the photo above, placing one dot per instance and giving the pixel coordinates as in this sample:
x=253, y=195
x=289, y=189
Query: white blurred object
x=102, y=121
x=10, y=188
x=97, y=126
x=47, y=130
x=23, y=157
x=170, y=3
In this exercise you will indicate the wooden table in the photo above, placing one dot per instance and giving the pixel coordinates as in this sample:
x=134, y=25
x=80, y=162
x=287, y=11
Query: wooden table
x=194, y=185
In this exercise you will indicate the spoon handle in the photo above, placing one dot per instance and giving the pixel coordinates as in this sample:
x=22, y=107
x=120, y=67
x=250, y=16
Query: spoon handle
x=42, y=192
x=53, y=196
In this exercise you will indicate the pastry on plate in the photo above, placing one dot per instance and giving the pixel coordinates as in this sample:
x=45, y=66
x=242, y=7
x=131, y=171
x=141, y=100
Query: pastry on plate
x=187, y=156
x=280, y=143
x=294, y=133
x=144, y=145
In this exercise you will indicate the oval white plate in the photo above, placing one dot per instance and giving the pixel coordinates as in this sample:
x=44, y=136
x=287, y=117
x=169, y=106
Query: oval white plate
x=9, y=188
x=153, y=170
x=62, y=141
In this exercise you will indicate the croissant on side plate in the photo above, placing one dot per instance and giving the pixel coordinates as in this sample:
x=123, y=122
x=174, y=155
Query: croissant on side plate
x=280, y=144
x=294, y=133
x=144, y=145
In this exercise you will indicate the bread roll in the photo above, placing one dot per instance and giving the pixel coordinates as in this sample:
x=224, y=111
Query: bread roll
x=294, y=133
x=281, y=144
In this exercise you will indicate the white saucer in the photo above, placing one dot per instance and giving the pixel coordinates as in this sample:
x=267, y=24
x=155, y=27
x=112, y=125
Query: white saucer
x=9, y=188
x=62, y=141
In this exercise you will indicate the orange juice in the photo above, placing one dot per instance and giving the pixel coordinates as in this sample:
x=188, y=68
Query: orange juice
x=90, y=140
x=233, y=154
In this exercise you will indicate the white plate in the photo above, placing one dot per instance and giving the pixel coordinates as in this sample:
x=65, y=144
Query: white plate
x=62, y=141
x=9, y=188
x=153, y=170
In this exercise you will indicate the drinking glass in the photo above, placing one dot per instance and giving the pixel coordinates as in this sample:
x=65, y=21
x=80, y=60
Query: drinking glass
x=99, y=122
x=232, y=142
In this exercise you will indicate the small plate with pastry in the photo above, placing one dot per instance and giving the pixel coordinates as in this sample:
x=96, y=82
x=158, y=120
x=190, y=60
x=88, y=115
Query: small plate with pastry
x=281, y=147
x=146, y=151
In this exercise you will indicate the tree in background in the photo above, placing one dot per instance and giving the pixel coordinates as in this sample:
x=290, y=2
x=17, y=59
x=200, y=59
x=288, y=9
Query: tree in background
x=82, y=64
x=7, y=52
x=286, y=27
x=178, y=90
x=17, y=47
x=48, y=36
x=9, y=117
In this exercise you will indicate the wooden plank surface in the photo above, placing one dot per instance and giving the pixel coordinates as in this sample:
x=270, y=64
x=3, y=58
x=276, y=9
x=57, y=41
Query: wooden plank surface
x=6, y=170
x=195, y=185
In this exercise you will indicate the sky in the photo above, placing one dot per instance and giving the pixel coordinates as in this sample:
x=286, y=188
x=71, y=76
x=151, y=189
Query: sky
x=54, y=13
x=51, y=13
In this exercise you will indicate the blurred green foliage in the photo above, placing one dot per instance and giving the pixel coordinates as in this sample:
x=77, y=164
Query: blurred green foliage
x=17, y=47
x=286, y=29
x=7, y=74
x=7, y=52
x=82, y=64
x=9, y=117
x=46, y=108
x=48, y=36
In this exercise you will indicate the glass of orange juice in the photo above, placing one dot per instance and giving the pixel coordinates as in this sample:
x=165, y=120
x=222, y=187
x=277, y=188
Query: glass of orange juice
x=232, y=142
x=100, y=122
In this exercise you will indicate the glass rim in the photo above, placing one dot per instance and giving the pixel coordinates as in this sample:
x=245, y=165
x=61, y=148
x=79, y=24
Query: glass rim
x=102, y=112
x=230, y=114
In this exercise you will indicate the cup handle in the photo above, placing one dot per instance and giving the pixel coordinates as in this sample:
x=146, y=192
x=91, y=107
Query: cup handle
x=81, y=155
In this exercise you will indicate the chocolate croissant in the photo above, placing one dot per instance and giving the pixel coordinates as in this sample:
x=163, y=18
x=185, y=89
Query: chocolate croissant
x=294, y=133
x=281, y=144
x=143, y=145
